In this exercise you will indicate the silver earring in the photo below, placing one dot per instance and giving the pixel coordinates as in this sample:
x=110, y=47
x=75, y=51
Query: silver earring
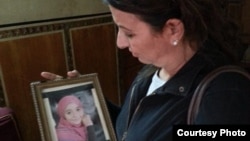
x=175, y=42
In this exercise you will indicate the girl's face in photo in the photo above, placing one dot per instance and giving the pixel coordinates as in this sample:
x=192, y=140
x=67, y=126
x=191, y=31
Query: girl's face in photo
x=73, y=113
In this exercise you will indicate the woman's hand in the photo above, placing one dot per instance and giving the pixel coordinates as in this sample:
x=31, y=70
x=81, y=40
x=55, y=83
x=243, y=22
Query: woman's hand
x=52, y=76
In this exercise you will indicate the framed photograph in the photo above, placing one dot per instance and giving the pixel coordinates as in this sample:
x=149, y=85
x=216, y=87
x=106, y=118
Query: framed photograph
x=72, y=109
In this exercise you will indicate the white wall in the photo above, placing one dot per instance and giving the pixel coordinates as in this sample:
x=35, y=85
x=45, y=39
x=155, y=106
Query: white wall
x=16, y=11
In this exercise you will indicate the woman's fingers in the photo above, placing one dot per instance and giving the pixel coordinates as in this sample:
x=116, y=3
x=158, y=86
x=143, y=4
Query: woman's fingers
x=73, y=73
x=50, y=76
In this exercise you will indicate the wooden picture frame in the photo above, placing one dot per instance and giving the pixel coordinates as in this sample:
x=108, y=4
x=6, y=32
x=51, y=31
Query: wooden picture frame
x=87, y=89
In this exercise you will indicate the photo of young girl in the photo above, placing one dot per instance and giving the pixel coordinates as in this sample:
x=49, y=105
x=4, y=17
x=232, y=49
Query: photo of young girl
x=72, y=111
x=74, y=124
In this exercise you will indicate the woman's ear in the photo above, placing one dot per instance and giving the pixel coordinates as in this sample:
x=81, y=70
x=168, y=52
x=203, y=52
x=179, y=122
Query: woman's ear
x=174, y=29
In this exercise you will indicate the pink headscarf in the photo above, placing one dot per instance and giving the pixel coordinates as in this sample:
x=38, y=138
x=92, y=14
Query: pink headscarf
x=65, y=130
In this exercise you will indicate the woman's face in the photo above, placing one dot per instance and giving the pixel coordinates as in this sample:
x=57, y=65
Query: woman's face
x=73, y=113
x=145, y=44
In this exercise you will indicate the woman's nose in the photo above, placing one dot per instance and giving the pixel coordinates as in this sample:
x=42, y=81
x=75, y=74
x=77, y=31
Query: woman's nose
x=122, y=41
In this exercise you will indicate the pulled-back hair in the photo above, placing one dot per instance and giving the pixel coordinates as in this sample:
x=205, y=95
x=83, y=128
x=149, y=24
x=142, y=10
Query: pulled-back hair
x=203, y=20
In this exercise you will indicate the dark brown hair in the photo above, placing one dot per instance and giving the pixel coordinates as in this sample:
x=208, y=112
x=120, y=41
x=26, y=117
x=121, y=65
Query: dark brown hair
x=203, y=20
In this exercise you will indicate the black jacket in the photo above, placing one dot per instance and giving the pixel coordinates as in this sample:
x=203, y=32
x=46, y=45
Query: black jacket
x=151, y=118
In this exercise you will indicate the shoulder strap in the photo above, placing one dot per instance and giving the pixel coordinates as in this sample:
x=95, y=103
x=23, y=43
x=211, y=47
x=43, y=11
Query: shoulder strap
x=196, y=98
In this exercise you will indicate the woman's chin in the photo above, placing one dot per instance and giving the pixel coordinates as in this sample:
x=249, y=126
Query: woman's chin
x=143, y=61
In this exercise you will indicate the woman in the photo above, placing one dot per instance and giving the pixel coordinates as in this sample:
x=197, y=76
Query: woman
x=74, y=124
x=180, y=41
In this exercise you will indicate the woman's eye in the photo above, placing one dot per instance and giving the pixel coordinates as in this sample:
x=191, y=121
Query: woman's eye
x=129, y=35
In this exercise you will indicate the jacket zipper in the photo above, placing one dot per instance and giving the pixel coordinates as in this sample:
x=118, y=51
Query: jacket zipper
x=124, y=136
x=125, y=133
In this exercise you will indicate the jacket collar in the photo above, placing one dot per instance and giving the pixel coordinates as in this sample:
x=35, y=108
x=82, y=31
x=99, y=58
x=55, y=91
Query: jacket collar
x=188, y=77
x=181, y=84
